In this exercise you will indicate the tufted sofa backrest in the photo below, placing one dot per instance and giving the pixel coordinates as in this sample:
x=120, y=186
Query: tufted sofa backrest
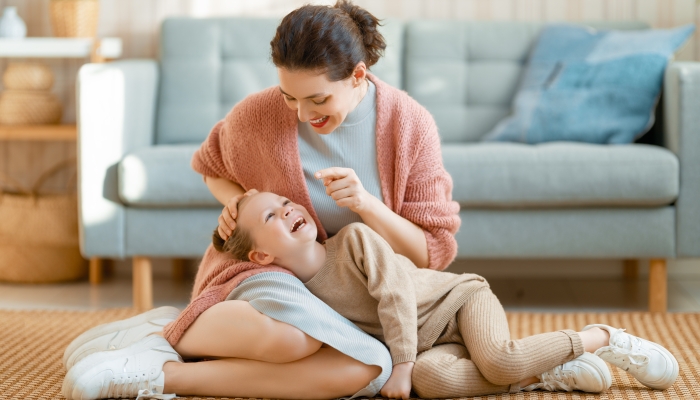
x=467, y=73
x=209, y=65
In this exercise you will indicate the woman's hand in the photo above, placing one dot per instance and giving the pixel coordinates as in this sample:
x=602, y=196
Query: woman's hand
x=227, y=219
x=343, y=185
x=405, y=237
x=399, y=384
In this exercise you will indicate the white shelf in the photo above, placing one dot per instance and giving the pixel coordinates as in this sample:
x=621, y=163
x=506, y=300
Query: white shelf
x=45, y=47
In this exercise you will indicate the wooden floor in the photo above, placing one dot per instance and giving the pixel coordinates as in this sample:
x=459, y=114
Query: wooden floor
x=517, y=293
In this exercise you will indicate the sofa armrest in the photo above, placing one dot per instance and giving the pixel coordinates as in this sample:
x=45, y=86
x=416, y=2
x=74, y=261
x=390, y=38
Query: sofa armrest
x=116, y=107
x=682, y=136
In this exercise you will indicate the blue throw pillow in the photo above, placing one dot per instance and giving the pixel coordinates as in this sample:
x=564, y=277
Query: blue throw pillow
x=590, y=86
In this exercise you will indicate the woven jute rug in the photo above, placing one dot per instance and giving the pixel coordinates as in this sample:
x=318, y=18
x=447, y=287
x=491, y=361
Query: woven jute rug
x=32, y=344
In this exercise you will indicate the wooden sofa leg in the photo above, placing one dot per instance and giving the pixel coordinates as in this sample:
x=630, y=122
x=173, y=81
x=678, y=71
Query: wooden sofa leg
x=108, y=268
x=95, y=270
x=142, y=283
x=657, y=285
x=630, y=269
x=179, y=269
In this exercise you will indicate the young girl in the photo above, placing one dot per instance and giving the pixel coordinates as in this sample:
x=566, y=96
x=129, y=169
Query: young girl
x=447, y=333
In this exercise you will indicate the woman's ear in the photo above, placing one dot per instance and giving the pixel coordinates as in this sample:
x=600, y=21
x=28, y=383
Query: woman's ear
x=260, y=257
x=359, y=73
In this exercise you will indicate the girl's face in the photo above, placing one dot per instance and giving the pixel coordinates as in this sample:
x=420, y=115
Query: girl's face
x=277, y=226
x=321, y=102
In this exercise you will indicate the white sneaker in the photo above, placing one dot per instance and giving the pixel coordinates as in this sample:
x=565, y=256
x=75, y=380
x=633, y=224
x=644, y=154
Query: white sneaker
x=651, y=364
x=134, y=371
x=118, y=334
x=587, y=373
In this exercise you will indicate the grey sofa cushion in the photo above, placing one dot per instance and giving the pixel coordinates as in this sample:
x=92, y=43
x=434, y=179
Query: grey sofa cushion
x=568, y=233
x=161, y=176
x=561, y=174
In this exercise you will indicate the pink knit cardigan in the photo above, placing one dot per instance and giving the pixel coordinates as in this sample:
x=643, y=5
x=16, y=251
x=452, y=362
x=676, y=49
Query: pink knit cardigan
x=256, y=146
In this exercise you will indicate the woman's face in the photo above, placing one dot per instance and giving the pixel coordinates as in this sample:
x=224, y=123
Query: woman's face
x=321, y=102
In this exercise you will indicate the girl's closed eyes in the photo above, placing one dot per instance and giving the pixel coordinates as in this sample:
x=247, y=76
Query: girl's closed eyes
x=272, y=214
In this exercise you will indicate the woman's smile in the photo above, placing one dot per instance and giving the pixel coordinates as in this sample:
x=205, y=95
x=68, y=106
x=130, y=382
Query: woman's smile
x=320, y=122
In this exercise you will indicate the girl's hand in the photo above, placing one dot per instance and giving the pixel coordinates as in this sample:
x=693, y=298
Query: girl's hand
x=399, y=384
x=343, y=185
x=227, y=219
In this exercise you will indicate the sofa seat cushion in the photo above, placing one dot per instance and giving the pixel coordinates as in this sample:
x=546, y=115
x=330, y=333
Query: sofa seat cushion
x=161, y=176
x=561, y=174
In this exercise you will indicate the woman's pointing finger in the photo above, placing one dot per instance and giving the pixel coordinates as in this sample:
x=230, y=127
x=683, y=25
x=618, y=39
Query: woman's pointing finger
x=331, y=174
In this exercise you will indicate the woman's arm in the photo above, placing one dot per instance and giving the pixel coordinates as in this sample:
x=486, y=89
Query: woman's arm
x=223, y=189
x=404, y=237
x=427, y=218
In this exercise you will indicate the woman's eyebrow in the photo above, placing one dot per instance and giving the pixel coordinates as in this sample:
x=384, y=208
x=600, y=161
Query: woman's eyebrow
x=307, y=97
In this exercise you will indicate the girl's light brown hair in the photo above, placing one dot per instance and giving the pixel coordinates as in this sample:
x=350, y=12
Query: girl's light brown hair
x=240, y=243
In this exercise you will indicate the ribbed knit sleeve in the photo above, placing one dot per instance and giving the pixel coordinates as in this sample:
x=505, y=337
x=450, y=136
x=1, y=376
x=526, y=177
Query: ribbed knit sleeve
x=428, y=198
x=208, y=159
x=415, y=183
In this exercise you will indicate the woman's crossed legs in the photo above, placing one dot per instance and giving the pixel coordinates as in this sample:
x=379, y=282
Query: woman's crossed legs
x=254, y=355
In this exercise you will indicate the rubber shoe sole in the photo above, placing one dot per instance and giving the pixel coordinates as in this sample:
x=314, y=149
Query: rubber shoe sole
x=603, y=371
x=70, y=357
x=663, y=382
x=95, y=359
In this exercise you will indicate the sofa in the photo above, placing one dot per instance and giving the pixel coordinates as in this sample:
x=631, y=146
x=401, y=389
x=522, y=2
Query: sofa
x=140, y=121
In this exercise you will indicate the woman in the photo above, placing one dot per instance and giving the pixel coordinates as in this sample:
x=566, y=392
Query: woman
x=339, y=141
x=348, y=147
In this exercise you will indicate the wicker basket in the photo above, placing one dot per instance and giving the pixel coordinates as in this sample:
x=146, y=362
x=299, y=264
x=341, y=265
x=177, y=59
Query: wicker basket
x=39, y=234
x=18, y=107
x=27, y=76
x=74, y=18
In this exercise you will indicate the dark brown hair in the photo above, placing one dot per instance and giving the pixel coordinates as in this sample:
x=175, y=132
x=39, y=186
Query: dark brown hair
x=240, y=243
x=329, y=39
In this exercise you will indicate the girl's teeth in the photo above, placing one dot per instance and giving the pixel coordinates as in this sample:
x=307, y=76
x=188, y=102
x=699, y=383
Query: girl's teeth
x=300, y=223
x=318, y=121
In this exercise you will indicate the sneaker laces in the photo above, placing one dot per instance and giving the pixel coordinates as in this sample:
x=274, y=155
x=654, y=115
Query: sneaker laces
x=557, y=379
x=124, y=385
x=625, y=351
x=147, y=394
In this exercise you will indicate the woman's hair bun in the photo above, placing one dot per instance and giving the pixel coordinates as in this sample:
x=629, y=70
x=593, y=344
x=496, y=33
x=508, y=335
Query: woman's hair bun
x=328, y=39
x=368, y=24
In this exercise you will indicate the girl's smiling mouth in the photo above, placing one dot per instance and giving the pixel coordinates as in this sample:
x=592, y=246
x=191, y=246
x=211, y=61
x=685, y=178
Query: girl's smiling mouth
x=298, y=224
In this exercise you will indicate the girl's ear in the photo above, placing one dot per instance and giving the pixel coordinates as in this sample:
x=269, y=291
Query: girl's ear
x=260, y=257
